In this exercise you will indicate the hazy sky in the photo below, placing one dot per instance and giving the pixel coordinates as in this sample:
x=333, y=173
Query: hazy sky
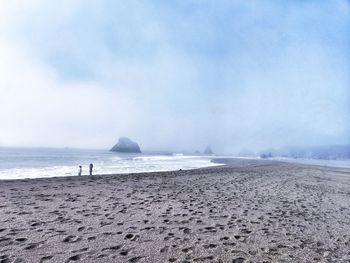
x=174, y=75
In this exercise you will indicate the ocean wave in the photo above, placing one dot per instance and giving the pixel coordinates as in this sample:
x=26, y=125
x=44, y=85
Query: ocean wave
x=104, y=163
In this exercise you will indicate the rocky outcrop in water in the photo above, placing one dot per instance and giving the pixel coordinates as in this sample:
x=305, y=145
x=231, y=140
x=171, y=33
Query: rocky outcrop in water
x=125, y=145
x=208, y=151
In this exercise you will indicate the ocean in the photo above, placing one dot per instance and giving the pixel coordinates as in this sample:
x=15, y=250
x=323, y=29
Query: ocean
x=20, y=163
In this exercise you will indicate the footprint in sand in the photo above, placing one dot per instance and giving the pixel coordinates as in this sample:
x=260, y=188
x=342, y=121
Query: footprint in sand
x=71, y=239
x=74, y=258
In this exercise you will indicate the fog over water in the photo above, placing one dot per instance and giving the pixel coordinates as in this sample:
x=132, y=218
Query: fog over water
x=175, y=75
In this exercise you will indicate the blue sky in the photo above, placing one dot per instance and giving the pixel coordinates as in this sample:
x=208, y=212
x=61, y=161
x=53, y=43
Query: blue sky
x=232, y=74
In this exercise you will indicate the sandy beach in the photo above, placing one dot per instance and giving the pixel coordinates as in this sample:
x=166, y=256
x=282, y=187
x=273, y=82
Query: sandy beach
x=247, y=211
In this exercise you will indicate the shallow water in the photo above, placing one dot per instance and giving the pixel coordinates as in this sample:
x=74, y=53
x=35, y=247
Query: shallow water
x=329, y=163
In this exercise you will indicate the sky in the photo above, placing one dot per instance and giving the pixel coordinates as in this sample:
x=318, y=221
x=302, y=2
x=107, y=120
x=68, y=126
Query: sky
x=175, y=75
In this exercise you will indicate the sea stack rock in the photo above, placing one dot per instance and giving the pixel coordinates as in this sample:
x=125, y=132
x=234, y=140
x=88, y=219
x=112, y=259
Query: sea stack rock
x=125, y=145
x=208, y=151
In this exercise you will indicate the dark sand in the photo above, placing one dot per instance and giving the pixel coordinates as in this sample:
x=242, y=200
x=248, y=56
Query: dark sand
x=252, y=212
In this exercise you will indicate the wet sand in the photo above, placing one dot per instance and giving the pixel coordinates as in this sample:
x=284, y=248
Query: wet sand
x=249, y=211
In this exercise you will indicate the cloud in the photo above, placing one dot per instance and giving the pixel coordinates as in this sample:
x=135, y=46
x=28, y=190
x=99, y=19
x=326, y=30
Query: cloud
x=233, y=74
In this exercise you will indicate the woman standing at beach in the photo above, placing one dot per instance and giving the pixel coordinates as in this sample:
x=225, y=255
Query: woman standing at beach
x=90, y=168
x=80, y=170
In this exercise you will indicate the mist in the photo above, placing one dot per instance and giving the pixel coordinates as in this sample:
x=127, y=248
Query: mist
x=175, y=76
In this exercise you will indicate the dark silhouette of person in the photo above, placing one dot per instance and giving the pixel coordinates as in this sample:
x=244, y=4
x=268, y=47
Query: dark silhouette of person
x=80, y=170
x=91, y=166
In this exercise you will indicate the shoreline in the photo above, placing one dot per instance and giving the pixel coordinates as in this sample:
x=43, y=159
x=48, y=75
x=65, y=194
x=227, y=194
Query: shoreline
x=220, y=161
x=107, y=174
x=244, y=211
x=103, y=165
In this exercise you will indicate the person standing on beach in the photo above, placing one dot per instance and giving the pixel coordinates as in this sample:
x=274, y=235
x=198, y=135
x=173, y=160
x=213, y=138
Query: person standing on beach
x=91, y=166
x=80, y=170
